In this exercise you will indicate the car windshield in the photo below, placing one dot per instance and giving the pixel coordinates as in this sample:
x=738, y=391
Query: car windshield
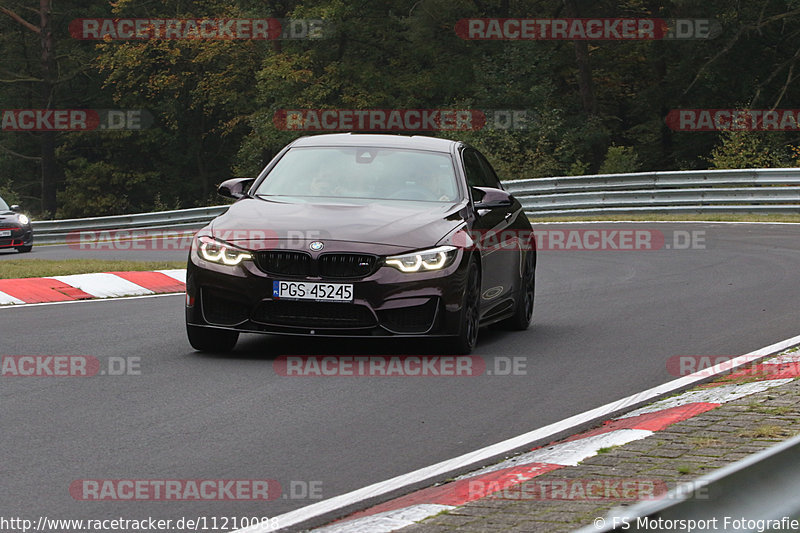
x=3, y=205
x=363, y=172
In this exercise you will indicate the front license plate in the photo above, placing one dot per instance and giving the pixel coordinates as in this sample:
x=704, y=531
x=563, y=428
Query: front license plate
x=321, y=292
x=5, y=233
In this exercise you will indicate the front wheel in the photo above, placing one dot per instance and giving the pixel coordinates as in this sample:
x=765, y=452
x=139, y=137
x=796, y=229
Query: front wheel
x=210, y=339
x=470, y=312
x=24, y=249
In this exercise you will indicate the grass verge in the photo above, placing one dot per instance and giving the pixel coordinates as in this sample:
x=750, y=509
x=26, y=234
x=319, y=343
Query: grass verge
x=43, y=268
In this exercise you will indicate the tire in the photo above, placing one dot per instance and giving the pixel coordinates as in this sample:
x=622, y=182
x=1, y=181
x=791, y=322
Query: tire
x=24, y=249
x=523, y=310
x=470, y=313
x=210, y=339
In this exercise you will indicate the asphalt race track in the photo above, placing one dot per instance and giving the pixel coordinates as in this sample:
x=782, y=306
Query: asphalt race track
x=606, y=323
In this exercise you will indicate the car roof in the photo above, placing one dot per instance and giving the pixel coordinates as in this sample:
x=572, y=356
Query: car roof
x=418, y=142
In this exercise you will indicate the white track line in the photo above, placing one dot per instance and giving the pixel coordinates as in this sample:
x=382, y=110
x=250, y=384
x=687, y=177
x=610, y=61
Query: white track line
x=438, y=470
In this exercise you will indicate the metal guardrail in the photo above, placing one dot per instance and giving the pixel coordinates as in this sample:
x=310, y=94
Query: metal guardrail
x=53, y=231
x=768, y=190
x=761, y=487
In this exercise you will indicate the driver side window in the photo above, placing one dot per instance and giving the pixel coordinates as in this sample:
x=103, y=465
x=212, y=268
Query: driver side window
x=475, y=170
x=488, y=171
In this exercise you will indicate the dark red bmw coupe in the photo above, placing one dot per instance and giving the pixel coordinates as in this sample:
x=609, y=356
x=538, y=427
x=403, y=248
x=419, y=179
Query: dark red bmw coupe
x=356, y=235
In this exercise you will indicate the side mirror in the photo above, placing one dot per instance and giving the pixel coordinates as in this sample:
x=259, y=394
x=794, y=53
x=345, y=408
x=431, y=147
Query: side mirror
x=489, y=198
x=235, y=187
x=14, y=208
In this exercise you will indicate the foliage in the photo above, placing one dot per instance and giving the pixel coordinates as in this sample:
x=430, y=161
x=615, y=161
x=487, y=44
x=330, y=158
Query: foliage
x=743, y=149
x=214, y=101
x=619, y=160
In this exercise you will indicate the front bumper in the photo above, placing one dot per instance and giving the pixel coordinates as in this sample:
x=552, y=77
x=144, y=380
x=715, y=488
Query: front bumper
x=386, y=303
x=20, y=236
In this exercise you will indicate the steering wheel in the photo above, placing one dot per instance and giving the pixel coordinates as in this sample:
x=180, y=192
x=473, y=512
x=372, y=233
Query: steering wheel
x=413, y=193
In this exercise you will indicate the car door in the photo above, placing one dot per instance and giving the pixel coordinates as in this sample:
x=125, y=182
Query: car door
x=515, y=232
x=499, y=255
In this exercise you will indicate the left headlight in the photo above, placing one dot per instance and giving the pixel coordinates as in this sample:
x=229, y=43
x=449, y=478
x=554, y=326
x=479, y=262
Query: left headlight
x=424, y=260
x=24, y=220
x=221, y=252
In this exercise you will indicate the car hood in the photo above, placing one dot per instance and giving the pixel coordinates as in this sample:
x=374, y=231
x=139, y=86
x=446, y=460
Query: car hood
x=404, y=224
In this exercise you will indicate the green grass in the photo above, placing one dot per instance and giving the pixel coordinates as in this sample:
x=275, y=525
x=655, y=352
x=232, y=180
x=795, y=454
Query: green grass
x=773, y=411
x=711, y=217
x=766, y=431
x=704, y=442
x=607, y=449
x=42, y=268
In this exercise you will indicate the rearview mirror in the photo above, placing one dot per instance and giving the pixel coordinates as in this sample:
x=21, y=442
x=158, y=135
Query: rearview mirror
x=235, y=187
x=14, y=208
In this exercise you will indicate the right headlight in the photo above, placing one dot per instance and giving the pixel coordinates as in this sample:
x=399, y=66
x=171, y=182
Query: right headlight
x=221, y=252
x=424, y=260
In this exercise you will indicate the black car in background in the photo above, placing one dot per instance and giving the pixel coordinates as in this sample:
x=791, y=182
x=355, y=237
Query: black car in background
x=355, y=235
x=15, y=229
